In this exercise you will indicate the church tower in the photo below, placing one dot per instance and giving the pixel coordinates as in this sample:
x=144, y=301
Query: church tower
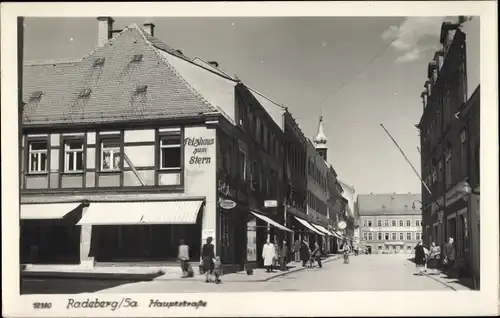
x=321, y=140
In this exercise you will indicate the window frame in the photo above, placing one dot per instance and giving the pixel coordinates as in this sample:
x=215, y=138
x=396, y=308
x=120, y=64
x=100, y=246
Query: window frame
x=64, y=153
x=394, y=223
x=408, y=223
x=386, y=223
x=370, y=236
x=370, y=223
x=380, y=236
x=243, y=163
x=112, y=138
x=379, y=223
x=394, y=236
x=401, y=236
x=401, y=223
x=409, y=236
x=37, y=139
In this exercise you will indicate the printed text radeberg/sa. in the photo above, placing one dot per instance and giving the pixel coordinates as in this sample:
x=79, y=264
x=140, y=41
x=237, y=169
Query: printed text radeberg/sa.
x=97, y=303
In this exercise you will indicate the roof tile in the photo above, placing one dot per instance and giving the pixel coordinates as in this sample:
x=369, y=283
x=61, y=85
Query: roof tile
x=112, y=86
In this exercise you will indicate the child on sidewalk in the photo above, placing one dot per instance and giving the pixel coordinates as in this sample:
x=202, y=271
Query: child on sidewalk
x=217, y=269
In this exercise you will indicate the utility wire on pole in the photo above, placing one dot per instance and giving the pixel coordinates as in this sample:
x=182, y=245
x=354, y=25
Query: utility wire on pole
x=407, y=160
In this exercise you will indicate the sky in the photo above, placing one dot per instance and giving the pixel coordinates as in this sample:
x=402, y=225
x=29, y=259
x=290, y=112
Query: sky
x=359, y=72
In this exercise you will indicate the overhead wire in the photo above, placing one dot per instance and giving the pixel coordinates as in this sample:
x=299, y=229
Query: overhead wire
x=356, y=74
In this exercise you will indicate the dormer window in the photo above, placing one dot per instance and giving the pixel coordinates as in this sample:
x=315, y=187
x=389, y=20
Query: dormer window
x=99, y=61
x=137, y=58
x=35, y=96
x=141, y=89
x=85, y=93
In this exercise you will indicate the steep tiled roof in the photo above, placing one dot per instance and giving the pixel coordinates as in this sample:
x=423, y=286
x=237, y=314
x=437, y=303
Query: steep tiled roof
x=377, y=204
x=112, y=85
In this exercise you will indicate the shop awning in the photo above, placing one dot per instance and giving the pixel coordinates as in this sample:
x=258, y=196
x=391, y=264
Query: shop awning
x=337, y=235
x=309, y=226
x=49, y=211
x=271, y=222
x=130, y=213
x=322, y=229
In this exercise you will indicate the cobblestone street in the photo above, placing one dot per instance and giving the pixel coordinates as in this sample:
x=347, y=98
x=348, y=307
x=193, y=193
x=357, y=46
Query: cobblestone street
x=364, y=273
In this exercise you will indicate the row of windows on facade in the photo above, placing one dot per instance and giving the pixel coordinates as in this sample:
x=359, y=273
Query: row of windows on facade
x=269, y=141
x=370, y=236
x=169, y=150
x=409, y=248
x=316, y=204
x=265, y=178
x=315, y=173
x=369, y=223
x=433, y=174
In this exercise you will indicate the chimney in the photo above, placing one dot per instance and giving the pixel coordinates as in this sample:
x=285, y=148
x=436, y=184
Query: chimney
x=214, y=63
x=149, y=27
x=105, y=31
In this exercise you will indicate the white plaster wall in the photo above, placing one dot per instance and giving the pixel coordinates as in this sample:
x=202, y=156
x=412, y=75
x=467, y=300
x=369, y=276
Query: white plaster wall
x=200, y=179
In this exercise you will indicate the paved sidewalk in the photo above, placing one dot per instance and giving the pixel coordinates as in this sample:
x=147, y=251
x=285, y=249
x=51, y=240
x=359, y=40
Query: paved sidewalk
x=165, y=273
x=457, y=284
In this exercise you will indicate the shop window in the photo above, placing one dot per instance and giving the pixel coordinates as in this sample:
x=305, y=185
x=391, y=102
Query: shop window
x=37, y=157
x=110, y=154
x=73, y=155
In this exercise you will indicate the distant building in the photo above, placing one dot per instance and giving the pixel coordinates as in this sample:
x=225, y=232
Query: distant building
x=350, y=215
x=389, y=223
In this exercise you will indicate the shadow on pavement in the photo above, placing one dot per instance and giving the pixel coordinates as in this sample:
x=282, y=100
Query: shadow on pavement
x=67, y=286
x=464, y=281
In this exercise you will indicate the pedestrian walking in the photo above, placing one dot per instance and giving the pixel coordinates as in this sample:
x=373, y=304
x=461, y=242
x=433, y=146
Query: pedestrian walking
x=276, y=253
x=345, y=249
x=434, y=256
x=449, y=257
x=316, y=254
x=183, y=257
x=207, y=258
x=304, y=253
x=268, y=254
x=296, y=250
x=419, y=257
x=283, y=259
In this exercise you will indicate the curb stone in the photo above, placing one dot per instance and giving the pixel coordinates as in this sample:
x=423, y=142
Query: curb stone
x=440, y=281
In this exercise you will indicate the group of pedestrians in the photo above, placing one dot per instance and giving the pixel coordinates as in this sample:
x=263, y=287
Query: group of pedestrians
x=210, y=264
x=429, y=257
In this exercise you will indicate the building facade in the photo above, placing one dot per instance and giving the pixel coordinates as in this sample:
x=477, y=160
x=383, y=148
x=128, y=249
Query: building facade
x=124, y=154
x=389, y=223
x=449, y=133
x=135, y=147
x=351, y=215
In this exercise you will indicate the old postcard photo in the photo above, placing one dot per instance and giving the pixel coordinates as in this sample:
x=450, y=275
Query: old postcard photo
x=197, y=159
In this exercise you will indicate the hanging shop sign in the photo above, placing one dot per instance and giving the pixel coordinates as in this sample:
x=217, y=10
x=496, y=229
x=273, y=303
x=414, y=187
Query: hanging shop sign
x=227, y=204
x=342, y=225
x=270, y=203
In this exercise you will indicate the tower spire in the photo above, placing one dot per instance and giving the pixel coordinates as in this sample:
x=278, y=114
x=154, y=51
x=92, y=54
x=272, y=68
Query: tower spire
x=321, y=139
